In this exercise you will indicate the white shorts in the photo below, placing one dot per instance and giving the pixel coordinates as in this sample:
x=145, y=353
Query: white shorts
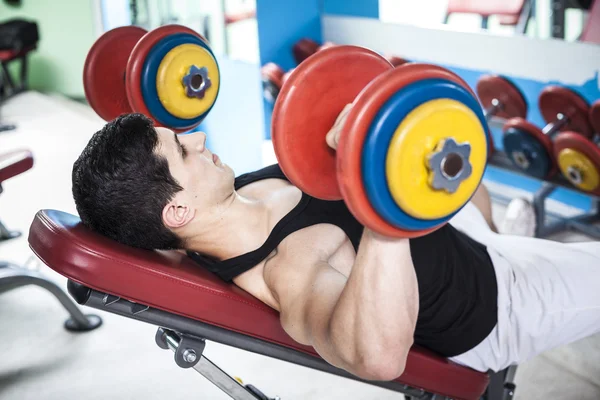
x=548, y=294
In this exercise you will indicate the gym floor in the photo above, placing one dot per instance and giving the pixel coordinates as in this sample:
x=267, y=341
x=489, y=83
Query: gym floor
x=120, y=360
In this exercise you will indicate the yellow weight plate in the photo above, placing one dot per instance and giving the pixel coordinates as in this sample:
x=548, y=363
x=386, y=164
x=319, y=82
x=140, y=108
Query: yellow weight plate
x=416, y=137
x=587, y=170
x=174, y=66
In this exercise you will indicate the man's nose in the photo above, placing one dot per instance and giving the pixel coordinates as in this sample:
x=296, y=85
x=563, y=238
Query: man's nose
x=196, y=140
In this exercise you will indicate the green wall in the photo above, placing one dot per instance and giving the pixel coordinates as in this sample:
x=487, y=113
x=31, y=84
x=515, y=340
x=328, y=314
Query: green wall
x=67, y=31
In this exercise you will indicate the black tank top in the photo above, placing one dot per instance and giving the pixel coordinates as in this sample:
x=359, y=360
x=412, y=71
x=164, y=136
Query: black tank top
x=456, y=278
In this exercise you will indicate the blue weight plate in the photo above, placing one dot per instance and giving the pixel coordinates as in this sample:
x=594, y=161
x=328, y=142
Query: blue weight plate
x=518, y=141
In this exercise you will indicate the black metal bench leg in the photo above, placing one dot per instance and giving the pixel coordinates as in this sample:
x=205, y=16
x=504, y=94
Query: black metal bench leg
x=12, y=276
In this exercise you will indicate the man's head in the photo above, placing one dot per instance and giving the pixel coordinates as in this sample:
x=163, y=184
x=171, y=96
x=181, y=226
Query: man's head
x=146, y=187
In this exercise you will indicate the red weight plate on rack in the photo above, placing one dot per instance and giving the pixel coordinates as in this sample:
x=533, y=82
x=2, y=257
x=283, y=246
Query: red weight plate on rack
x=273, y=73
x=308, y=106
x=575, y=141
x=272, y=80
x=136, y=62
x=526, y=126
x=595, y=116
x=556, y=100
x=303, y=49
x=512, y=102
x=104, y=71
x=354, y=132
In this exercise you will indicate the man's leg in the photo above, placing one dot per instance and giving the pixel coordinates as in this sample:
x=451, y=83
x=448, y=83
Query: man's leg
x=547, y=297
x=481, y=199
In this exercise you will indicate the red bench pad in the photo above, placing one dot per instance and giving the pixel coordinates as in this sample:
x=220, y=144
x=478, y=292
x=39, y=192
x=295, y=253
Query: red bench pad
x=172, y=282
x=14, y=163
x=486, y=8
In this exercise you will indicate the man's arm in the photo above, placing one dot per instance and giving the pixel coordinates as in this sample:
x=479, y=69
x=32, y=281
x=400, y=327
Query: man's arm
x=363, y=324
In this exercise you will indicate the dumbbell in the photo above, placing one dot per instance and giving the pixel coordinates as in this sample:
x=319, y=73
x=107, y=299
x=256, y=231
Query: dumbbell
x=170, y=74
x=578, y=156
x=272, y=75
x=305, y=48
x=531, y=148
x=412, y=150
x=500, y=98
x=273, y=78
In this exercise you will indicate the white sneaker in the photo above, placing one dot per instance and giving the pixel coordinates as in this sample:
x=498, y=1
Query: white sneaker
x=519, y=219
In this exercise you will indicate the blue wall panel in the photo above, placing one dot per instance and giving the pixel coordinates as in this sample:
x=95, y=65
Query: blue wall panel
x=280, y=25
x=234, y=126
x=352, y=8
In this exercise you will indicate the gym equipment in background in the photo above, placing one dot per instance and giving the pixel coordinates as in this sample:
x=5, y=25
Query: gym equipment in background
x=531, y=148
x=18, y=38
x=13, y=276
x=578, y=156
x=169, y=74
x=397, y=167
x=501, y=98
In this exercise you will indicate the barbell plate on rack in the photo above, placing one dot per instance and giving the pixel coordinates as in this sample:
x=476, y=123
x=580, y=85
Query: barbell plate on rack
x=595, y=116
x=555, y=100
x=512, y=102
x=529, y=148
x=579, y=161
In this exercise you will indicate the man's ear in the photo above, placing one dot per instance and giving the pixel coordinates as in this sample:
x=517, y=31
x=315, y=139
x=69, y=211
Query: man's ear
x=176, y=214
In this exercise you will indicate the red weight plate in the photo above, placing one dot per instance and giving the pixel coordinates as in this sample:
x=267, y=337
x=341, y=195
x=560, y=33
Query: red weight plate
x=303, y=49
x=133, y=82
x=575, y=141
x=273, y=73
x=307, y=107
x=396, y=61
x=556, y=100
x=526, y=126
x=512, y=102
x=104, y=71
x=352, y=138
x=595, y=116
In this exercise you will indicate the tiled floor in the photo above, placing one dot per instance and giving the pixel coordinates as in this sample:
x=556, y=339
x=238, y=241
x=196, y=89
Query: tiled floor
x=40, y=360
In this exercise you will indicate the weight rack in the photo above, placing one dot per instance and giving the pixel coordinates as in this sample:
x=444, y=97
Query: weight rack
x=548, y=223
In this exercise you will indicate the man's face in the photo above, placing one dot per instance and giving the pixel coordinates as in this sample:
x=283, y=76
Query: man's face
x=205, y=179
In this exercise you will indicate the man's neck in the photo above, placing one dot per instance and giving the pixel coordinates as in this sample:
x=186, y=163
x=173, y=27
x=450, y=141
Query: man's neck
x=238, y=226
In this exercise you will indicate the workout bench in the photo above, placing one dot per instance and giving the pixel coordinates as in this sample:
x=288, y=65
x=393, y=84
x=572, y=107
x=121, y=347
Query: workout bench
x=191, y=306
x=13, y=276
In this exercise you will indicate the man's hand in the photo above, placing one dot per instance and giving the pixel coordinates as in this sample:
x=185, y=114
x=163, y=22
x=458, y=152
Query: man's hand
x=333, y=136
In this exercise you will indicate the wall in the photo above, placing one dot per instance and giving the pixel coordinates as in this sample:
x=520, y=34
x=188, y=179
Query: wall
x=67, y=31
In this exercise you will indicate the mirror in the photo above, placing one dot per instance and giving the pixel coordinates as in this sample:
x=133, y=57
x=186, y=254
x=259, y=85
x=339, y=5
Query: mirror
x=229, y=25
x=543, y=19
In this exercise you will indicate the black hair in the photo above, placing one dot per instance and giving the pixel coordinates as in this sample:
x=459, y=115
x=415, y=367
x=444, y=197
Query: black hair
x=121, y=184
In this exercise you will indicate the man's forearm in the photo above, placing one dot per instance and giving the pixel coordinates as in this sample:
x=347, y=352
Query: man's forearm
x=377, y=310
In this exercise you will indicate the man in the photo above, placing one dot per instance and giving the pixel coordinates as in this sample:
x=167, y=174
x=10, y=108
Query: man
x=482, y=299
